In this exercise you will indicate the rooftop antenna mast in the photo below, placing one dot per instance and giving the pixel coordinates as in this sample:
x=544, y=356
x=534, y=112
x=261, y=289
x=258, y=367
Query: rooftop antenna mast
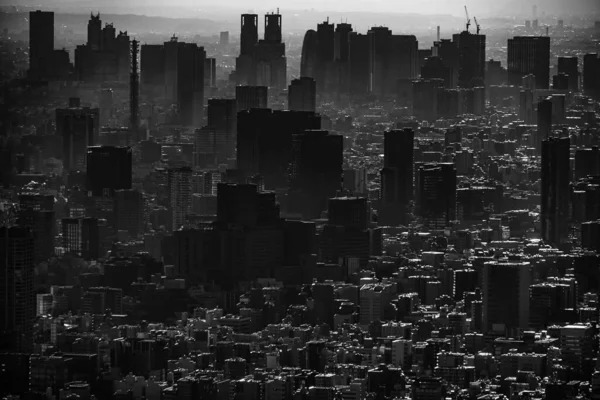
x=477, y=25
x=468, y=19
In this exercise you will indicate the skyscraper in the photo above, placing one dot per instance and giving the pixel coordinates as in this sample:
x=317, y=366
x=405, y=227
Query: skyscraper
x=81, y=236
x=248, y=97
x=570, y=67
x=396, y=176
x=302, y=95
x=555, y=189
x=358, y=64
x=273, y=28
x=436, y=194
x=316, y=171
x=308, y=62
x=17, y=309
x=190, y=83
x=94, y=32
x=341, y=46
x=109, y=169
x=41, y=43
x=325, y=55
x=471, y=59
x=180, y=195
x=249, y=34
x=591, y=75
x=79, y=128
x=529, y=55
x=544, y=122
x=129, y=212
x=502, y=312
x=264, y=142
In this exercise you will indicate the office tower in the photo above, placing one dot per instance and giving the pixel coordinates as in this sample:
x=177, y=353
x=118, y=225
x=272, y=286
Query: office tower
x=546, y=302
x=502, y=312
x=302, y=95
x=471, y=59
x=215, y=143
x=587, y=162
x=180, y=195
x=134, y=93
x=324, y=55
x=106, y=106
x=373, y=300
x=152, y=68
x=79, y=128
x=308, y=62
x=222, y=115
x=94, y=32
x=108, y=169
x=529, y=55
x=264, y=142
x=379, y=50
x=348, y=212
x=41, y=223
x=555, y=189
x=81, y=236
x=41, y=43
x=435, y=68
x=248, y=97
x=190, y=83
x=16, y=288
x=224, y=38
x=495, y=73
x=171, y=49
x=341, y=42
x=129, y=211
x=273, y=28
x=447, y=51
x=316, y=172
x=576, y=345
x=544, y=122
x=210, y=72
x=358, y=64
x=396, y=176
x=570, y=67
x=591, y=74
x=436, y=194
x=425, y=98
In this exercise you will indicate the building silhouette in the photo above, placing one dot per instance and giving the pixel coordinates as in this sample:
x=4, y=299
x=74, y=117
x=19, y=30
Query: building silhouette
x=129, y=209
x=471, y=59
x=109, y=169
x=396, y=176
x=315, y=172
x=591, y=75
x=248, y=97
x=555, y=189
x=570, y=67
x=302, y=95
x=529, y=55
x=78, y=127
x=81, y=236
x=436, y=194
x=16, y=287
x=308, y=62
x=41, y=43
x=180, y=195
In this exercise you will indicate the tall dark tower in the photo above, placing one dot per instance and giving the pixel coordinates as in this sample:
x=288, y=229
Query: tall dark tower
x=308, y=63
x=341, y=44
x=249, y=35
x=396, y=175
x=273, y=28
x=555, y=188
x=134, y=92
x=471, y=59
x=41, y=42
x=94, y=31
x=529, y=55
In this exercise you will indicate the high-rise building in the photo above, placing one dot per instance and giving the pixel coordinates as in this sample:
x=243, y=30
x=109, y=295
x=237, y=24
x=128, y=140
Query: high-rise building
x=576, y=344
x=43, y=227
x=190, y=83
x=273, y=28
x=180, y=195
x=129, y=211
x=544, y=122
x=373, y=300
x=249, y=35
x=341, y=44
x=308, y=62
x=94, y=32
x=248, y=97
x=109, y=169
x=264, y=142
x=570, y=67
x=17, y=309
x=302, y=95
x=224, y=38
x=555, y=189
x=529, y=55
x=81, y=236
x=587, y=162
x=359, y=64
x=471, y=59
x=79, y=128
x=325, y=55
x=41, y=43
x=396, y=176
x=210, y=72
x=436, y=194
x=316, y=172
x=591, y=75
x=501, y=312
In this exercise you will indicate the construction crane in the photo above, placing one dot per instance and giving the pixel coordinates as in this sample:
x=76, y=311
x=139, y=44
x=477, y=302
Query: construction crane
x=477, y=24
x=468, y=19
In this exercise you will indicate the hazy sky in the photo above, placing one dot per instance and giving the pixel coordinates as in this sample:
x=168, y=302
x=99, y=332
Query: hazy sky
x=483, y=8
